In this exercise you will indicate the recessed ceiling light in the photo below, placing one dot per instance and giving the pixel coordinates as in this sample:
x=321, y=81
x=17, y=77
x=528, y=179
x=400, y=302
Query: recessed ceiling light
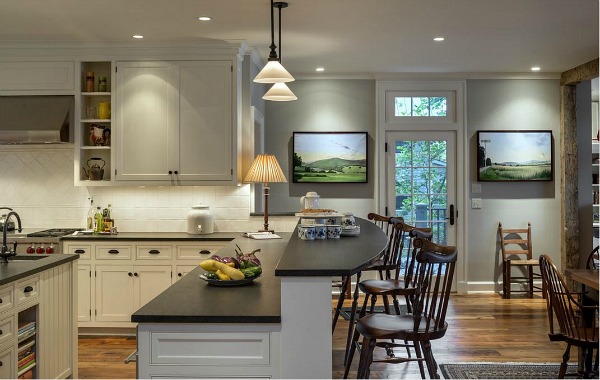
x=438, y=39
x=319, y=69
x=535, y=68
x=138, y=36
x=204, y=18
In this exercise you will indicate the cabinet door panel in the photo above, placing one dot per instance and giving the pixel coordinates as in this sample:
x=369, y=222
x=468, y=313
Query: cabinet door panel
x=150, y=282
x=205, y=136
x=147, y=120
x=84, y=293
x=114, y=293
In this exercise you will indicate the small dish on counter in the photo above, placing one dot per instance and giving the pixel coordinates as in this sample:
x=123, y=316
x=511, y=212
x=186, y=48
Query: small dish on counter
x=351, y=230
x=244, y=281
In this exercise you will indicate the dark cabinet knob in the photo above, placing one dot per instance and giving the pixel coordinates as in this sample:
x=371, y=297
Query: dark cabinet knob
x=154, y=251
x=113, y=251
x=130, y=274
x=28, y=289
x=170, y=172
x=179, y=275
x=176, y=172
x=0, y=300
x=80, y=251
x=135, y=274
x=204, y=252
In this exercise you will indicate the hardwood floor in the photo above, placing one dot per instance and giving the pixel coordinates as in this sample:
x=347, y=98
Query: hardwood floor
x=482, y=328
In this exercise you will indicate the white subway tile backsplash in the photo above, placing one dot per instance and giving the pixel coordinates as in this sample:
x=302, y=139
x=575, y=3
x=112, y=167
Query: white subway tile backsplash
x=38, y=183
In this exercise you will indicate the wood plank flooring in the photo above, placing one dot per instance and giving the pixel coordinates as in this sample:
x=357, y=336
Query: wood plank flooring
x=482, y=328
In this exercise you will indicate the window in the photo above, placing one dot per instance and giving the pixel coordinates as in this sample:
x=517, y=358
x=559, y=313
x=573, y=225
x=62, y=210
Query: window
x=420, y=106
x=415, y=106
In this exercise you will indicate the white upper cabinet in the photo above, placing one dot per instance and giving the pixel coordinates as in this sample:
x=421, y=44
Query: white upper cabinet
x=175, y=122
x=37, y=77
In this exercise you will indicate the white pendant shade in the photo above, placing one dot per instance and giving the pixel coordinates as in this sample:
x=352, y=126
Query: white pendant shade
x=280, y=92
x=273, y=72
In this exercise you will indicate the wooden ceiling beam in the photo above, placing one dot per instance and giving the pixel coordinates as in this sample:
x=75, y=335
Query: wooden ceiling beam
x=587, y=71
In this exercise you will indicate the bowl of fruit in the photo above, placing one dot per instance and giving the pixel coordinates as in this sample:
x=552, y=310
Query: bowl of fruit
x=242, y=269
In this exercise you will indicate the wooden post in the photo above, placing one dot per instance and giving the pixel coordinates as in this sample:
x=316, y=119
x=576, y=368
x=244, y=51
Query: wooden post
x=569, y=239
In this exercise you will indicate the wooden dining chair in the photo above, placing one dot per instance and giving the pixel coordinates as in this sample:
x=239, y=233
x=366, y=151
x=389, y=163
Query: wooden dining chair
x=515, y=244
x=574, y=329
x=435, y=265
x=383, y=266
x=401, y=285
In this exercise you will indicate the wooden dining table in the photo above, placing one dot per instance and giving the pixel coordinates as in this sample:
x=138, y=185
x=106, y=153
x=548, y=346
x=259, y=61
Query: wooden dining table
x=587, y=277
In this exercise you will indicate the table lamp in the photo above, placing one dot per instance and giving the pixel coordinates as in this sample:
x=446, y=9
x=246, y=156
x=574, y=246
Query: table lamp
x=265, y=169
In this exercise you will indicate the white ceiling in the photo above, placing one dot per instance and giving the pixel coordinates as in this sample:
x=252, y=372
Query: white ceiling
x=346, y=37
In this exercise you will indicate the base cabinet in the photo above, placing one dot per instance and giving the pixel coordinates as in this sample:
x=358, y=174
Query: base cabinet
x=38, y=329
x=209, y=350
x=117, y=278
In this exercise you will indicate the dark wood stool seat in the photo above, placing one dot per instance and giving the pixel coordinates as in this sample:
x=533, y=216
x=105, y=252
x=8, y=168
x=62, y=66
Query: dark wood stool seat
x=386, y=326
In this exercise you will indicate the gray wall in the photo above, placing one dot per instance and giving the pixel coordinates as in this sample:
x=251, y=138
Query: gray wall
x=511, y=105
x=322, y=105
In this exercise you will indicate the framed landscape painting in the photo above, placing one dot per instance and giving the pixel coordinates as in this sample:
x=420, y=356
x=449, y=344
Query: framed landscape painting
x=330, y=157
x=514, y=156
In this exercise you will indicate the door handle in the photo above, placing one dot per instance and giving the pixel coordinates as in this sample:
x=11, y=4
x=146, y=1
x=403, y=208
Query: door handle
x=451, y=217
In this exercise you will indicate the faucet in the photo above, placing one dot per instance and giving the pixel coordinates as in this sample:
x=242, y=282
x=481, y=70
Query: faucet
x=5, y=252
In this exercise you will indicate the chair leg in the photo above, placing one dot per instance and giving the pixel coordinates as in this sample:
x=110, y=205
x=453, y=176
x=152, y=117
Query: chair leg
x=504, y=279
x=353, y=314
x=530, y=274
x=429, y=360
x=340, y=302
x=507, y=282
x=366, y=358
x=419, y=354
x=563, y=365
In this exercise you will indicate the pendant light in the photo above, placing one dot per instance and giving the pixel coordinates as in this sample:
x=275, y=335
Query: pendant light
x=274, y=72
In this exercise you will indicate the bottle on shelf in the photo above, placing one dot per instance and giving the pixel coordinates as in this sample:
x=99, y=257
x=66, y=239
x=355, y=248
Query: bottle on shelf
x=99, y=220
x=89, y=81
x=90, y=216
x=102, y=84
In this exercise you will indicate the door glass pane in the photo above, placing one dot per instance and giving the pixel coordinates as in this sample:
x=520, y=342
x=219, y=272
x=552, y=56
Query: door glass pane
x=421, y=186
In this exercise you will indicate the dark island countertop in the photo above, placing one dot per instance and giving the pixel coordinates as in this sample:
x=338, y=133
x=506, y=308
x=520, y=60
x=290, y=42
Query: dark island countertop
x=192, y=300
x=22, y=266
x=345, y=256
x=155, y=236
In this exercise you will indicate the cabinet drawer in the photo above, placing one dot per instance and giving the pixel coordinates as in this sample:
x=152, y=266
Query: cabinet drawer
x=7, y=298
x=83, y=250
x=199, y=251
x=7, y=329
x=113, y=252
x=7, y=364
x=154, y=252
x=210, y=348
x=27, y=289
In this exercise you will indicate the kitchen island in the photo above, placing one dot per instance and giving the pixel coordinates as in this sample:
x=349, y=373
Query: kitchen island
x=37, y=316
x=279, y=326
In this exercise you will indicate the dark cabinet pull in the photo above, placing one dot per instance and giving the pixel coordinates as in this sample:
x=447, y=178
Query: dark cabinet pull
x=113, y=251
x=0, y=300
x=28, y=289
x=179, y=274
x=170, y=172
x=80, y=251
x=154, y=251
x=204, y=252
x=130, y=274
x=176, y=172
x=135, y=274
x=1, y=332
x=1, y=364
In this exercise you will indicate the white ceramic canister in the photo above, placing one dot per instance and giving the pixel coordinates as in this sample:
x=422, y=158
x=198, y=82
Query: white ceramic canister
x=200, y=221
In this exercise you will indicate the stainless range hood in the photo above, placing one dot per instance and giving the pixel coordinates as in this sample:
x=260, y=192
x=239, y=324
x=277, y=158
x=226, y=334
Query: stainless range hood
x=36, y=119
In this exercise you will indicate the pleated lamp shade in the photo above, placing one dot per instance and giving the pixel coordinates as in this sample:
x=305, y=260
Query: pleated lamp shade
x=280, y=92
x=273, y=72
x=265, y=168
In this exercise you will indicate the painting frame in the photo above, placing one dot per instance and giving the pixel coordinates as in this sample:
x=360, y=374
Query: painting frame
x=515, y=156
x=330, y=157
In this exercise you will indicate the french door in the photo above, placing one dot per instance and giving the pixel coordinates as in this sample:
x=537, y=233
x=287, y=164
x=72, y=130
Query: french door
x=421, y=181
